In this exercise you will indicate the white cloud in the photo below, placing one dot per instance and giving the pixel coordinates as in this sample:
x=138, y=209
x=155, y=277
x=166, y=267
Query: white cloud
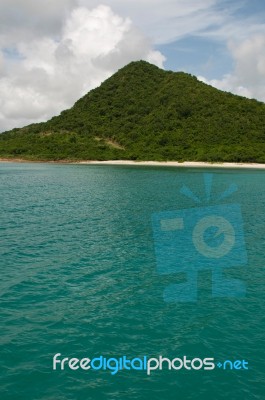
x=161, y=20
x=51, y=74
x=167, y=20
x=248, y=77
x=27, y=19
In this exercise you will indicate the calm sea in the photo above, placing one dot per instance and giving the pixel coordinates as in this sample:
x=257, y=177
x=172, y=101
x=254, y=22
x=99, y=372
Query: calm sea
x=82, y=275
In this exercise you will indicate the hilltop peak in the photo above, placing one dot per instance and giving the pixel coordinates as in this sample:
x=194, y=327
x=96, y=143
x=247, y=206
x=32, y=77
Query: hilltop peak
x=138, y=68
x=141, y=64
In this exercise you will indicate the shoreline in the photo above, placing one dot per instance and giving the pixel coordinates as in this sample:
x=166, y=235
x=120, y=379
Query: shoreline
x=185, y=164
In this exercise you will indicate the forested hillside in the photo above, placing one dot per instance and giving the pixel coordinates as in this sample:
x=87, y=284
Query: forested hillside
x=145, y=113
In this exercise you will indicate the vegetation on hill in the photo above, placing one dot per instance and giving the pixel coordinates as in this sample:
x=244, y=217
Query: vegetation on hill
x=145, y=113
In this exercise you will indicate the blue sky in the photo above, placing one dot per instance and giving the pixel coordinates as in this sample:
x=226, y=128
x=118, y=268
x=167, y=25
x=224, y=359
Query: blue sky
x=52, y=54
x=197, y=56
x=207, y=55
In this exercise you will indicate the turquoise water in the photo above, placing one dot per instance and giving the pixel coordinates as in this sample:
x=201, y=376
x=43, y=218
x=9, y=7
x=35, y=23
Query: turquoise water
x=79, y=277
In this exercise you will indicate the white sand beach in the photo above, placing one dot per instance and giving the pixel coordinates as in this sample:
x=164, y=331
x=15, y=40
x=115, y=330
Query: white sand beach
x=190, y=164
x=185, y=164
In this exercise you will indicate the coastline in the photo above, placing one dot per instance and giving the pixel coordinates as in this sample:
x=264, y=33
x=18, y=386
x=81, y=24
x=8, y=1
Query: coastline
x=185, y=164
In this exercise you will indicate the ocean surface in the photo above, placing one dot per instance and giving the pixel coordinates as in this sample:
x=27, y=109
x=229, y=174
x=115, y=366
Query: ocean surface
x=81, y=275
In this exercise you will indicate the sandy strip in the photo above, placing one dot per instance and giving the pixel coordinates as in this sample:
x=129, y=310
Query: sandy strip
x=187, y=164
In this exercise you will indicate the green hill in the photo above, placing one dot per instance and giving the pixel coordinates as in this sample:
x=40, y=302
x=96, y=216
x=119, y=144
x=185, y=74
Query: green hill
x=145, y=113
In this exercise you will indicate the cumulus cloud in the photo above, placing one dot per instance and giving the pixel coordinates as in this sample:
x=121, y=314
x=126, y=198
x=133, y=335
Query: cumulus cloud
x=248, y=77
x=47, y=74
x=167, y=20
x=162, y=20
x=27, y=19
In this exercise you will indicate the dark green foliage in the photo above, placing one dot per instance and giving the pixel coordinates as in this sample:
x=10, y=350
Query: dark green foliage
x=145, y=113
